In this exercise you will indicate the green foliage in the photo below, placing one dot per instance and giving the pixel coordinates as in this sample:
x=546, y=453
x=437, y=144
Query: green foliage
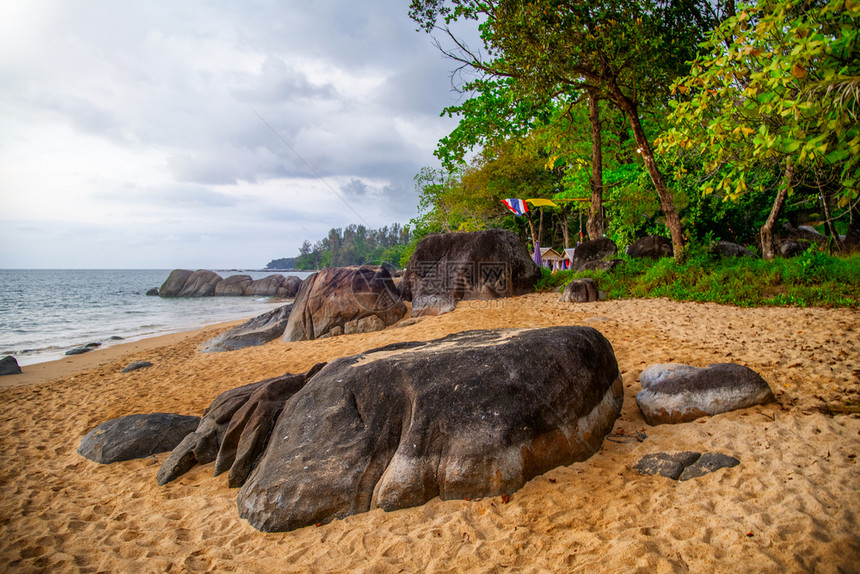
x=813, y=279
x=355, y=245
x=774, y=90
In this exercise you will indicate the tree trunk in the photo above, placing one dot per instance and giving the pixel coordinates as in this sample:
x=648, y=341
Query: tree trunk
x=767, y=228
x=532, y=229
x=594, y=226
x=565, y=232
x=667, y=201
x=831, y=229
x=540, y=228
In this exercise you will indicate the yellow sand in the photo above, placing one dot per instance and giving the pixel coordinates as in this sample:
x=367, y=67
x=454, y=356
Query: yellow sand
x=791, y=505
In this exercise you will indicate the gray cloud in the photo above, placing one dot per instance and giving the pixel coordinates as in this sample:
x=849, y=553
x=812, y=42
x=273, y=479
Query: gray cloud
x=155, y=109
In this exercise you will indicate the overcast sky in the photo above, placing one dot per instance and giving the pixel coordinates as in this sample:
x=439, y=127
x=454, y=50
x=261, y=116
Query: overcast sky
x=134, y=134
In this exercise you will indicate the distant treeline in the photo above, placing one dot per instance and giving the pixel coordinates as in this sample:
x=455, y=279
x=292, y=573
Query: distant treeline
x=354, y=245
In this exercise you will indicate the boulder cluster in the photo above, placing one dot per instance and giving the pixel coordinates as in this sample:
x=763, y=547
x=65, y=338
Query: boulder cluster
x=204, y=283
x=470, y=415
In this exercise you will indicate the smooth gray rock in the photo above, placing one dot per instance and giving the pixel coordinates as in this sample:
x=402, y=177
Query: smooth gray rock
x=79, y=350
x=9, y=366
x=330, y=299
x=592, y=252
x=449, y=267
x=135, y=436
x=676, y=393
x=254, y=332
x=580, y=291
x=135, y=366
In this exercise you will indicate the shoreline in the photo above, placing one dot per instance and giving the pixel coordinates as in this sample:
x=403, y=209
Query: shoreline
x=47, y=371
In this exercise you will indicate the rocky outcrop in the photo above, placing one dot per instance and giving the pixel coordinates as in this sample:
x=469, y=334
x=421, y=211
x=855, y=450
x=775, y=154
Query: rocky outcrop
x=9, y=366
x=234, y=286
x=677, y=393
x=469, y=415
x=234, y=429
x=254, y=332
x=344, y=300
x=136, y=436
x=448, y=267
x=684, y=465
x=580, y=291
x=592, y=251
x=203, y=283
x=275, y=285
x=653, y=247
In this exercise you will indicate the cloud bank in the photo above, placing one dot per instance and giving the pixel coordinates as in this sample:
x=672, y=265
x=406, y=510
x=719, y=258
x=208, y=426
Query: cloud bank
x=208, y=133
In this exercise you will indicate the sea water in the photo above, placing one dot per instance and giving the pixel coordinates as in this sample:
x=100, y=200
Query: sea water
x=44, y=313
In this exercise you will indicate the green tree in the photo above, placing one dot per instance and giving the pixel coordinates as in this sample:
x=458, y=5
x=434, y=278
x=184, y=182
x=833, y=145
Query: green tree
x=621, y=51
x=776, y=92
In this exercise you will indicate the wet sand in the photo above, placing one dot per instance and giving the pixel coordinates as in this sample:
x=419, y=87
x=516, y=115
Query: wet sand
x=791, y=505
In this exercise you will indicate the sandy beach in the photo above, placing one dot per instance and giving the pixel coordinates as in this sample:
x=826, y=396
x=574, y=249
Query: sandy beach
x=791, y=505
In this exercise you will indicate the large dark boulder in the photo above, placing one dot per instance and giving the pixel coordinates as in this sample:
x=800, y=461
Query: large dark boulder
x=653, y=247
x=184, y=283
x=469, y=415
x=594, y=250
x=448, y=267
x=136, y=436
x=254, y=332
x=580, y=291
x=234, y=286
x=677, y=393
x=9, y=366
x=344, y=300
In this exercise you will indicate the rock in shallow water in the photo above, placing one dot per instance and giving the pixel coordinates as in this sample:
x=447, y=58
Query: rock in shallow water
x=473, y=414
x=9, y=366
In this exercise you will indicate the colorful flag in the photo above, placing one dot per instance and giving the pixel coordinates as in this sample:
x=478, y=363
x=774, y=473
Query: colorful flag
x=538, y=202
x=518, y=206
